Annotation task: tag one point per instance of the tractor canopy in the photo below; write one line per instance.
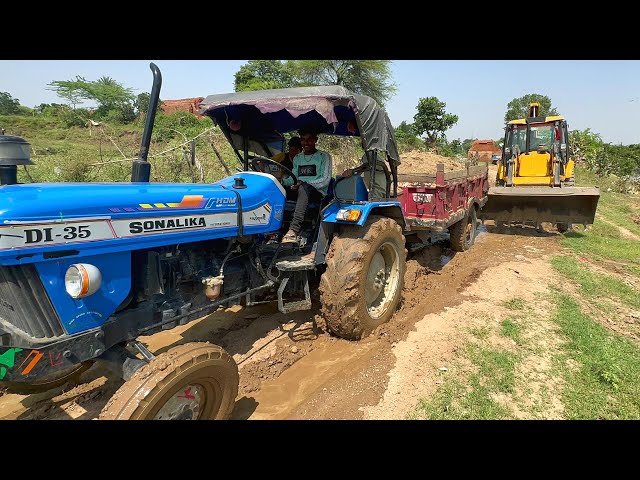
(262, 117)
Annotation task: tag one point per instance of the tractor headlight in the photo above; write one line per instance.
(82, 280)
(349, 214)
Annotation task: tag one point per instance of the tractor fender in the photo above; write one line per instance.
(390, 209)
(330, 224)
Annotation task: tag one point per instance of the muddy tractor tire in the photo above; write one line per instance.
(363, 282)
(194, 381)
(462, 234)
(70, 376)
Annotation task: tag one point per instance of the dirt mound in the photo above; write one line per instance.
(636, 219)
(417, 161)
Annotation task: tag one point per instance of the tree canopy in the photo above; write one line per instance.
(264, 75)
(366, 77)
(432, 120)
(8, 104)
(519, 107)
(110, 95)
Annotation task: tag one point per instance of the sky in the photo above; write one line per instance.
(603, 95)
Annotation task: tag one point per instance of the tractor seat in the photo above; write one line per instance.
(290, 205)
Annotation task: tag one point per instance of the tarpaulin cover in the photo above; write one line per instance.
(263, 116)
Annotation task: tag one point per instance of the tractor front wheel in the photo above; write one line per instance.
(193, 381)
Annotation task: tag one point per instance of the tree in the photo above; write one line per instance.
(519, 107)
(141, 103)
(366, 77)
(584, 144)
(432, 120)
(264, 75)
(8, 104)
(406, 136)
(49, 109)
(449, 149)
(113, 99)
(467, 142)
(405, 130)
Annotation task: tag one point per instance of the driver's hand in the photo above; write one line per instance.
(295, 186)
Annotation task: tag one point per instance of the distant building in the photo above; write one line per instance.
(484, 149)
(184, 105)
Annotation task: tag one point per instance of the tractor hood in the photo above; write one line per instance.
(36, 216)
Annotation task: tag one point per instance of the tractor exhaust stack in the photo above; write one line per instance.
(141, 171)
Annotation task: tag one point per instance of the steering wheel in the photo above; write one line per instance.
(254, 164)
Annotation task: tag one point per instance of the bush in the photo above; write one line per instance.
(74, 118)
(628, 184)
(620, 160)
(123, 114)
(167, 127)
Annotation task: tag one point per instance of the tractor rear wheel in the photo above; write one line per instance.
(363, 282)
(193, 381)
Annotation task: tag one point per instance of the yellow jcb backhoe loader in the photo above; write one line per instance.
(535, 179)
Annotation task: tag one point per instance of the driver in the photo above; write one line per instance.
(313, 169)
(286, 159)
(283, 158)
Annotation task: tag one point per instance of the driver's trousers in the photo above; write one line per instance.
(306, 194)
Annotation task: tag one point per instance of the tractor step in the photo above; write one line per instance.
(296, 263)
(299, 280)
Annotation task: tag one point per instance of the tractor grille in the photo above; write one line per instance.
(24, 303)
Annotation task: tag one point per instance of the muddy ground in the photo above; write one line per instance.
(290, 368)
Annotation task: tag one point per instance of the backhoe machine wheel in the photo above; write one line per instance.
(193, 381)
(462, 234)
(362, 284)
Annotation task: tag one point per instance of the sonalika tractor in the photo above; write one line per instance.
(85, 269)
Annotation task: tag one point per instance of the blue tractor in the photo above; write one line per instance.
(85, 269)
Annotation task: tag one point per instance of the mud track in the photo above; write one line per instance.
(290, 368)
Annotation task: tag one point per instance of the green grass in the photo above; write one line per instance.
(619, 209)
(586, 178)
(481, 333)
(79, 154)
(594, 285)
(615, 207)
(515, 304)
(632, 269)
(473, 397)
(603, 241)
(605, 384)
(512, 330)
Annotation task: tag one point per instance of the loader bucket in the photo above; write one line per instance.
(541, 204)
